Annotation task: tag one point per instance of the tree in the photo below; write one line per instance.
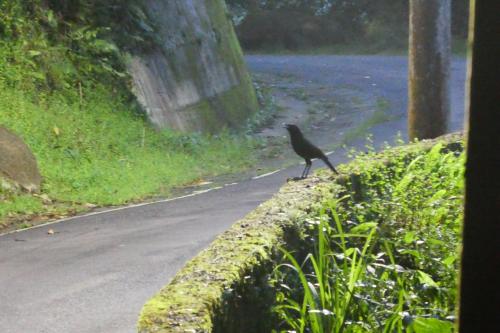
(480, 274)
(429, 68)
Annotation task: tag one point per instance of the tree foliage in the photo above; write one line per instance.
(382, 22)
(124, 21)
(48, 44)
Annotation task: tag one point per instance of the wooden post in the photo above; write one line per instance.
(480, 273)
(429, 68)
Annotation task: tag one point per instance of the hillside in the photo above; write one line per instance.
(64, 89)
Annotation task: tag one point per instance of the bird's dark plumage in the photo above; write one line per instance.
(306, 149)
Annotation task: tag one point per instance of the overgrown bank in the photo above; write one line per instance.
(407, 200)
(64, 90)
(383, 258)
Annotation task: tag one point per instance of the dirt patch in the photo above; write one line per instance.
(330, 116)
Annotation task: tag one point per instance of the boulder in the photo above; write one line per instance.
(17, 162)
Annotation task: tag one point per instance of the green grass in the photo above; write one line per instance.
(102, 153)
(299, 93)
(383, 258)
(379, 116)
(20, 204)
(268, 109)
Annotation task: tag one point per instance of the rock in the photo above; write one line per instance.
(17, 162)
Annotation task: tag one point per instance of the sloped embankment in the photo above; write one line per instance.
(65, 91)
(225, 287)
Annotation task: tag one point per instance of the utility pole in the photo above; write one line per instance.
(429, 68)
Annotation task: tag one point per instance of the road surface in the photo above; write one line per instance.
(95, 272)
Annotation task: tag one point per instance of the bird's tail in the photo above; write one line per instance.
(327, 162)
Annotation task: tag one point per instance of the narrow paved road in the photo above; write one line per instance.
(369, 76)
(95, 272)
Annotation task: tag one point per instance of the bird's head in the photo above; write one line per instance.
(292, 129)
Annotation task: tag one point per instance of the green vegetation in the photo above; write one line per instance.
(103, 153)
(63, 89)
(358, 47)
(332, 27)
(268, 108)
(378, 116)
(384, 257)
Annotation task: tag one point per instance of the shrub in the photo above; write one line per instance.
(384, 260)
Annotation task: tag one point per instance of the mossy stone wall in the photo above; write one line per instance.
(195, 78)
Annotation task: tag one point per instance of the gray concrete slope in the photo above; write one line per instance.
(95, 273)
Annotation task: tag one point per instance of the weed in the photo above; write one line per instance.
(268, 108)
(300, 94)
(377, 117)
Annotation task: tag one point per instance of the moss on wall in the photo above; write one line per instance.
(224, 288)
(226, 108)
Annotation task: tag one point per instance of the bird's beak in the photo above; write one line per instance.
(285, 125)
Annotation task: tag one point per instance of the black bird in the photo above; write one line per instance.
(306, 149)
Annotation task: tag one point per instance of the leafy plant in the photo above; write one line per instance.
(386, 263)
(268, 109)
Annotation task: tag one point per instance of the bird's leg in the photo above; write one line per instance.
(307, 168)
(303, 172)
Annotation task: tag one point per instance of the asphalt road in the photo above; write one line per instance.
(375, 76)
(95, 272)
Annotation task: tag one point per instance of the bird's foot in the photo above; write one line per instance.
(294, 179)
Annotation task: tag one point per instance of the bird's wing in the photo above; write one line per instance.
(312, 150)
